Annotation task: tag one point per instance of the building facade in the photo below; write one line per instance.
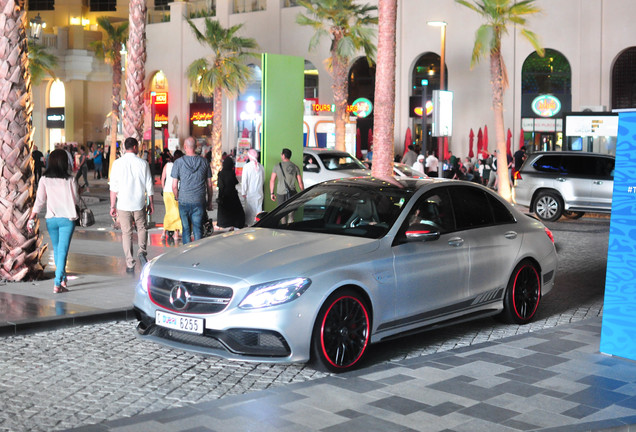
(589, 66)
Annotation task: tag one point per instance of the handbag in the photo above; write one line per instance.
(86, 217)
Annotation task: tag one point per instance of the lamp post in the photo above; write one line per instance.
(424, 115)
(35, 27)
(442, 85)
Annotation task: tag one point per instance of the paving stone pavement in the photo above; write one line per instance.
(90, 374)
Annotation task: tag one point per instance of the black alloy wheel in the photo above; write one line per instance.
(342, 332)
(523, 294)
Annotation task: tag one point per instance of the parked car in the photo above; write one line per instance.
(362, 260)
(552, 184)
(401, 170)
(321, 164)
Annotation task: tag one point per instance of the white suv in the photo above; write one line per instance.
(553, 184)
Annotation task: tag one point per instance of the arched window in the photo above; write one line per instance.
(362, 85)
(624, 80)
(425, 75)
(311, 80)
(547, 75)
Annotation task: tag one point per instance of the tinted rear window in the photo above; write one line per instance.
(550, 164)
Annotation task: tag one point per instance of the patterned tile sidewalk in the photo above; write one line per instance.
(549, 380)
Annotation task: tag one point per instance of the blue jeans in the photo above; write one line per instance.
(191, 220)
(60, 231)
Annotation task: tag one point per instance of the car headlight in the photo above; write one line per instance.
(274, 293)
(144, 277)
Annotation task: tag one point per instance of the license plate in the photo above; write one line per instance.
(176, 322)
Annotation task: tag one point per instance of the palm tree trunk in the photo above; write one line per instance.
(383, 125)
(340, 94)
(217, 130)
(20, 249)
(114, 113)
(497, 76)
(136, 71)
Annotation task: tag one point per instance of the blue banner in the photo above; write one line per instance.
(618, 334)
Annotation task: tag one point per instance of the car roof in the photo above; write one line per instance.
(376, 182)
(324, 150)
(569, 153)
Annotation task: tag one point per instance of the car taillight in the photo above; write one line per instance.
(517, 175)
(549, 234)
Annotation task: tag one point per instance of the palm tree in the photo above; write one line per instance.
(136, 72)
(351, 29)
(383, 124)
(109, 49)
(224, 73)
(498, 14)
(41, 62)
(20, 249)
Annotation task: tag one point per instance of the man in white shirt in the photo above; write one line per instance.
(419, 165)
(432, 165)
(252, 187)
(130, 186)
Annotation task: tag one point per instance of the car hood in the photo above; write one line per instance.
(357, 172)
(255, 253)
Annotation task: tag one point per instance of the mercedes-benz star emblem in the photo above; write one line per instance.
(179, 297)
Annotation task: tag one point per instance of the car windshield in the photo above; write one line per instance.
(340, 161)
(345, 209)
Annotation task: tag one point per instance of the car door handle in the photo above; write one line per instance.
(456, 242)
(560, 179)
(510, 235)
(598, 182)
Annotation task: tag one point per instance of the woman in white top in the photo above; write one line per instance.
(172, 220)
(57, 190)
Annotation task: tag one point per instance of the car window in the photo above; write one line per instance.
(604, 167)
(340, 161)
(433, 209)
(310, 160)
(500, 212)
(471, 207)
(580, 166)
(549, 164)
(343, 209)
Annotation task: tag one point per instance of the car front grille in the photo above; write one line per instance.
(203, 299)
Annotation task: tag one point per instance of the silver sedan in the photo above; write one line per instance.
(345, 264)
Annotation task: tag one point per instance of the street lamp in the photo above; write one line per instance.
(442, 85)
(35, 26)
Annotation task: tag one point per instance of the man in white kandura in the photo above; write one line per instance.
(252, 187)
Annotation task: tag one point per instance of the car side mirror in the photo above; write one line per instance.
(312, 168)
(421, 232)
(260, 216)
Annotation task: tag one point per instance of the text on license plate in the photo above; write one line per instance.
(176, 322)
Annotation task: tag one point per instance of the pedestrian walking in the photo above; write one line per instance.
(252, 186)
(82, 167)
(171, 220)
(131, 189)
(58, 191)
(288, 174)
(98, 157)
(432, 165)
(230, 210)
(192, 188)
(410, 157)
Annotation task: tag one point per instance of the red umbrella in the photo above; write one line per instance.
(508, 138)
(370, 140)
(358, 144)
(407, 140)
(480, 141)
(471, 137)
(446, 154)
(486, 138)
(521, 139)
